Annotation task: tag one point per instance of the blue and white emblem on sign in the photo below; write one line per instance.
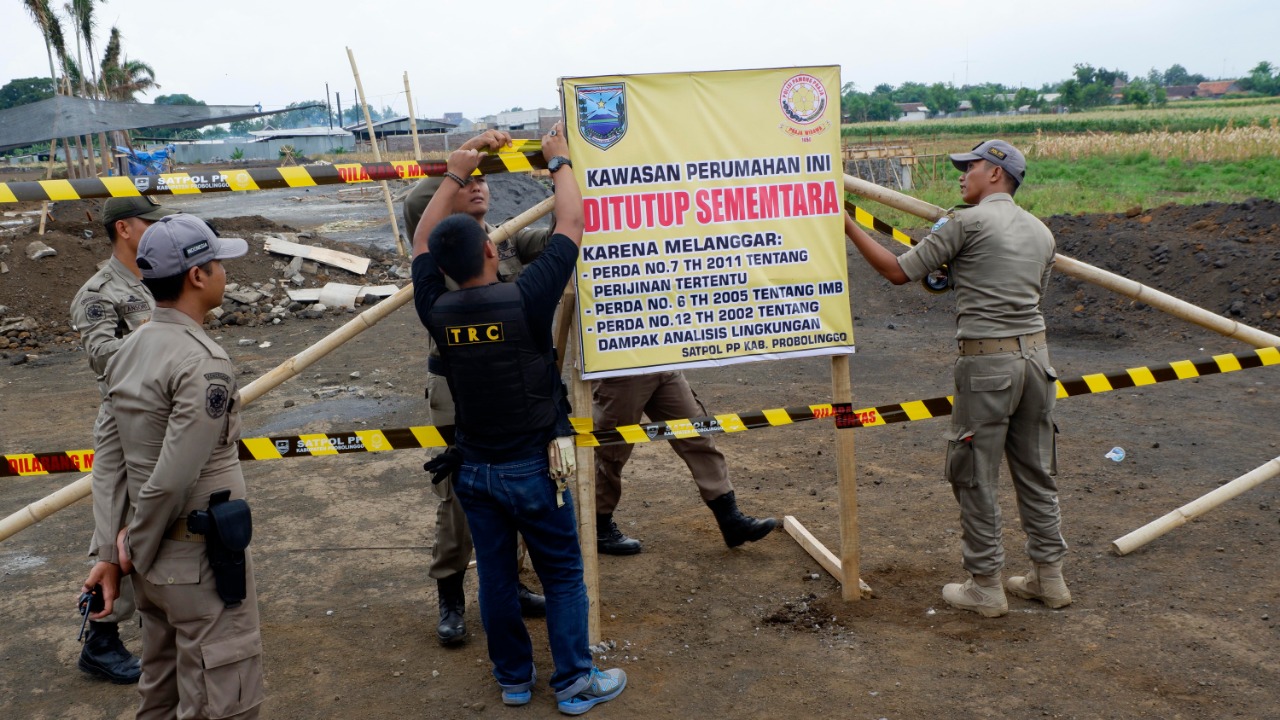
(602, 113)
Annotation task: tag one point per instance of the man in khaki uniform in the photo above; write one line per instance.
(112, 304)
(1000, 257)
(173, 394)
(662, 396)
(452, 550)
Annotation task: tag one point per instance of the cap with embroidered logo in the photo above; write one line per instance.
(176, 243)
(998, 153)
(123, 208)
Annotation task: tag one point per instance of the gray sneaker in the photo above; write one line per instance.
(604, 686)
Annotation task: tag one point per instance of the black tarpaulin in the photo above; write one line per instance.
(63, 116)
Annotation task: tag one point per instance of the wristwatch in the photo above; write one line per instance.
(558, 162)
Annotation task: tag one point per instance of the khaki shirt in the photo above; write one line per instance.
(173, 393)
(1000, 257)
(513, 254)
(111, 305)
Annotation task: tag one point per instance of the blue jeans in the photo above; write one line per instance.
(499, 500)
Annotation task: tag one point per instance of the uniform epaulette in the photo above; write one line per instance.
(215, 350)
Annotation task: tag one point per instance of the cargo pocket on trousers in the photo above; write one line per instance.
(177, 563)
(959, 467)
(988, 397)
(232, 675)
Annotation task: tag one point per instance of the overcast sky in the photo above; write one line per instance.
(482, 56)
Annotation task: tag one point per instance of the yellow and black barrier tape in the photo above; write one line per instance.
(866, 219)
(521, 159)
(844, 415)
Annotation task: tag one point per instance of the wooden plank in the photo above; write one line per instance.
(819, 552)
(346, 261)
(825, 557)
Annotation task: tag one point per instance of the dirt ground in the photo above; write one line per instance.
(1186, 627)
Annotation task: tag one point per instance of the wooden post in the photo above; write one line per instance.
(48, 175)
(82, 488)
(846, 478)
(377, 156)
(564, 322)
(585, 491)
(1196, 508)
(1083, 271)
(413, 119)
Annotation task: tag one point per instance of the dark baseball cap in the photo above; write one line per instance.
(123, 208)
(996, 152)
(176, 243)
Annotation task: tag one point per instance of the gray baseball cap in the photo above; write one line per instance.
(996, 152)
(176, 243)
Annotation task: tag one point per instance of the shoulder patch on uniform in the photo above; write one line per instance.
(94, 311)
(941, 221)
(218, 376)
(506, 250)
(216, 398)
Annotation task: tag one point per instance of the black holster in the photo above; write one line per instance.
(227, 528)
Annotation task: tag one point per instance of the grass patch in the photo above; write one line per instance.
(1102, 184)
(1176, 117)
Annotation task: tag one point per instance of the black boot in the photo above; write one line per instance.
(104, 656)
(610, 540)
(736, 527)
(532, 605)
(453, 603)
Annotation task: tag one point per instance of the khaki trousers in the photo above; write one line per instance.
(452, 549)
(660, 396)
(200, 659)
(1004, 406)
(108, 468)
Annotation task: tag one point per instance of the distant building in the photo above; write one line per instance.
(913, 111)
(1181, 92)
(398, 126)
(1218, 88)
(538, 120)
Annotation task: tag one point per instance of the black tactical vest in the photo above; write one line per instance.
(501, 382)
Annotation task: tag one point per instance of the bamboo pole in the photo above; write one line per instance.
(377, 155)
(1083, 271)
(43, 508)
(585, 492)
(413, 119)
(847, 481)
(1196, 508)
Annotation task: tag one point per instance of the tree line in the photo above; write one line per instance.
(1088, 87)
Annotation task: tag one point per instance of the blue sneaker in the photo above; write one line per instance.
(516, 697)
(604, 686)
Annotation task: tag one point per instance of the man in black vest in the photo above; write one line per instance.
(510, 405)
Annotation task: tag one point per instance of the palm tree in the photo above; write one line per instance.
(124, 78)
(51, 29)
